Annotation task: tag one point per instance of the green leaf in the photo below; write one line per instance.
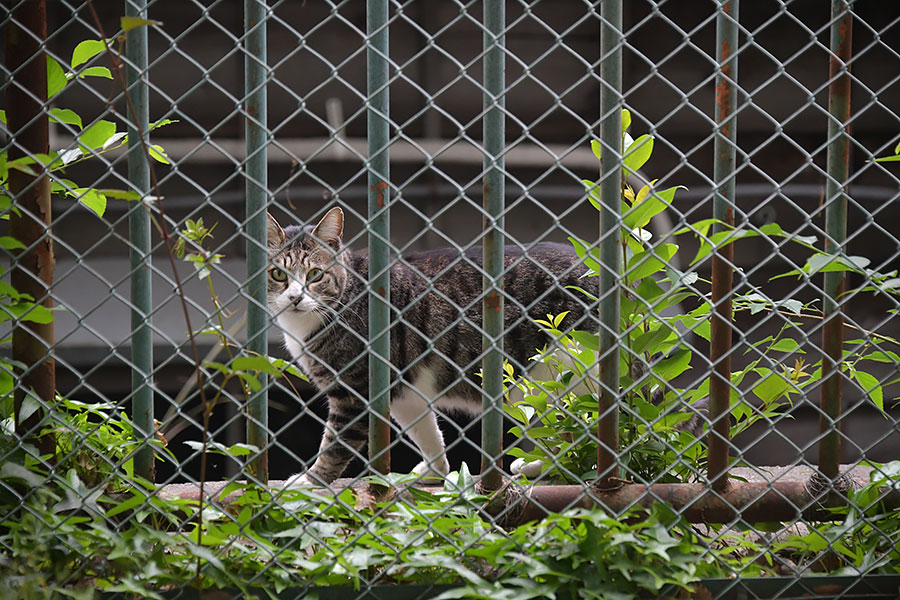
(3, 116)
(894, 158)
(11, 243)
(255, 363)
(674, 365)
(56, 77)
(158, 154)
(638, 153)
(593, 192)
(588, 340)
(97, 134)
(582, 251)
(64, 115)
(596, 148)
(162, 123)
(86, 50)
(775, 230)
(649, 290)
(287, 367)
(517, 413)
(872, 387)
(137, 499)
(649, 341)
(28, 311)
(11, 470)
(653, 204)
(771, 387)
(650, 261)
(885, 356)
(789, 345)
(92, 199)
(129, 23)
(720, 239)
(130, 195)
(96, 72)
(626, 121)
(825, 263)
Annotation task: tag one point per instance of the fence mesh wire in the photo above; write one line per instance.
(317, 159)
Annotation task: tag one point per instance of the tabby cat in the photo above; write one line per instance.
(317, 296)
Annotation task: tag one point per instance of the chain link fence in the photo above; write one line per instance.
(725, 377)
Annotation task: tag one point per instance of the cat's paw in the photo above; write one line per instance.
(528, 469)
(432, 470)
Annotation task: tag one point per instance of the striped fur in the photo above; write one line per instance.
(317, 296)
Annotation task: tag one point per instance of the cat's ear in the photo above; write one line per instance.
(274, 233)
(331, 228)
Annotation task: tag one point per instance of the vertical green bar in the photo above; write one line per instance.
(139, 237)
(494, 131)
(610, 236)
(723, 259)
(379, 235)
(255, 225)
(838, 169)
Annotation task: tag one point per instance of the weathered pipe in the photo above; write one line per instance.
(723, 258)
(753, 502)
(838, 169)
(32, 269)
(696, 502)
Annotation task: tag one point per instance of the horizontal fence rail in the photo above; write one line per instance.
(368, 332)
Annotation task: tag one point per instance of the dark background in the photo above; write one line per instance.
(316, 54)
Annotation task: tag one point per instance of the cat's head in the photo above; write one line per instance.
(306, 275)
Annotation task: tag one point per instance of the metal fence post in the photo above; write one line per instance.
(723, 258)
(255, 74)
(32, 268)
(610, 237)
(838, 168)
(379, 235)
(139, 238)
(493, 203)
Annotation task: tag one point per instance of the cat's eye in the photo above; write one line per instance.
(314, 275)
(278, 275)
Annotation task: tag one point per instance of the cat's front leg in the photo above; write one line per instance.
(346, 432)
(417, 419)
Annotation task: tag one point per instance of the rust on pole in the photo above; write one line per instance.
(723, 258)
(32, 267)
(838, 170)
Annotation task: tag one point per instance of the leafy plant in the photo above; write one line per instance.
(91, 140)
(866, 538)
(660, 438)
(894, 157)
(139, 542)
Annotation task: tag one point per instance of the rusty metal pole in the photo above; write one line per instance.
(838, 168)
(723, 258)
(32, 268)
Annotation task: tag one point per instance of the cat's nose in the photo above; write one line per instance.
(294, 298)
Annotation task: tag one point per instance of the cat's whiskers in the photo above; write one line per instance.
(342, 310)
